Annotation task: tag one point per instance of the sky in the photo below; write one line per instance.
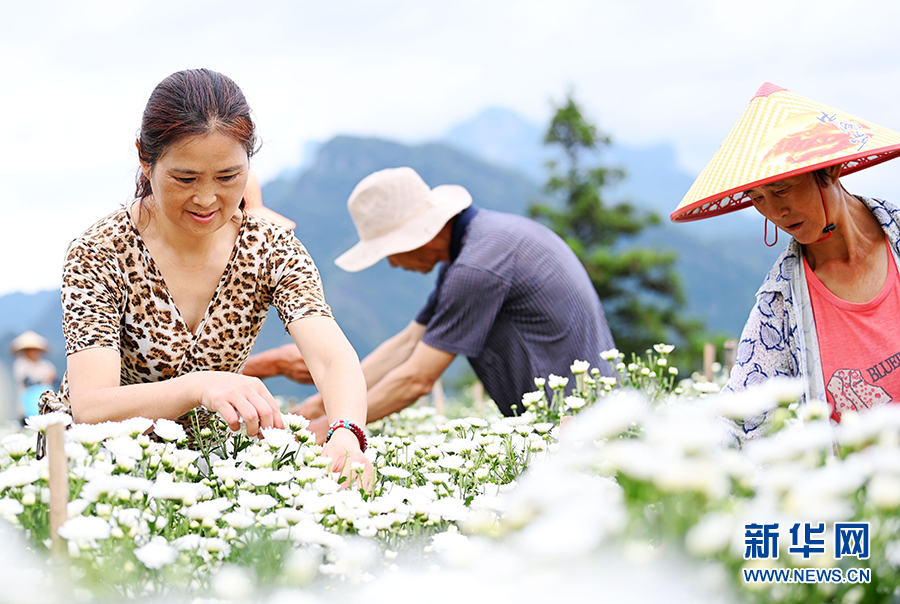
(75, 76)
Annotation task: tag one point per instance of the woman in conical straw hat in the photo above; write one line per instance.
(829, 310)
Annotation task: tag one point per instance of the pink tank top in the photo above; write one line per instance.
(859, 344)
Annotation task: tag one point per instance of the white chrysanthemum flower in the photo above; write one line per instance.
(610, 355)
(101, 485)
(450, 509)
(539, 382)
(310, 532)
(215, 545)
(579, 367)
(187, 492)
(706, 387)
(326, 486)
(394, 472)
(124, 446)
(279, 438)
(883, 492)
(437, 477)
(575, 402)
(10, 508)
(663, 348)
(257, 456)
(556, 381)
(530, 398)
(262, 477)
(84, 528)
(19, 476)
(135, 426)
(42, 422)
(232, 583)
(449, 542)
(292, 515)
(18, 444)
(92, 434)
(256, 502)
(208, 510)
(168, 430)
(156, 554)
(293, 421)
(453, 424)
(238, 520)
(451, 462)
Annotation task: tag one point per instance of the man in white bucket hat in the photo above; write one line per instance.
(511, 296)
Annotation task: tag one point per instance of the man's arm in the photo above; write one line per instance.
(284, 360)
(389, 355)
(403, 386)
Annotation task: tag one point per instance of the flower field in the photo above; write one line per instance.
(640, 495)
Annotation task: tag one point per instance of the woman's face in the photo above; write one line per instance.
(199, 182)
(794, 205)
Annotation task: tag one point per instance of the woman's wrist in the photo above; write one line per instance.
(352, 428)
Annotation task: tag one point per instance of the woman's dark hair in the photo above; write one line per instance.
(823, 176)
(190, 103)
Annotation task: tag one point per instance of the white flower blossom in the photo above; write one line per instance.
(575, 402)
(156, 554)
(168, 430)
(663, 348)
(18, 476)
(238, 520)
(186, 492)
(556, 381)
(10, 509)
(279, 438)
(293, 421)
(256, 502)
(92, 434)
(610, 355)
(135, 426)
(18, 444)
(42, 422)
(124, 446)
(529, 398)
(579, 367)
(211, 509)
(394, 472)
(84, 528)
(262, 477)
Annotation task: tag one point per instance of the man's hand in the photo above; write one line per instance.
(285, 360)
(311, 408)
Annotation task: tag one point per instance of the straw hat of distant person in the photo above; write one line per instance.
(253, 202)
(394, 212)
(29, 341)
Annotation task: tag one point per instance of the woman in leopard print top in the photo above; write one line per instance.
(163, 299)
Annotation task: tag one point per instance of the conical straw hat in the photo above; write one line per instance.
(780, 135)
(27, 340)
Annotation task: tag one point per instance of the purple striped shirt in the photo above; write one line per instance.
(516, 301)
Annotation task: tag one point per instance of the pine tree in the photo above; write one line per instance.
(639, 289)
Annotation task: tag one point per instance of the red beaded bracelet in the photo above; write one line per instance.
(357, 432)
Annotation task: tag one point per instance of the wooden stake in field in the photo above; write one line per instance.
(709, 357)
(59, 485)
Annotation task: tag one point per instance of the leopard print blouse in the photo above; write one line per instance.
(113, 296)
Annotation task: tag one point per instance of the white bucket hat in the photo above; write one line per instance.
(395, 211)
